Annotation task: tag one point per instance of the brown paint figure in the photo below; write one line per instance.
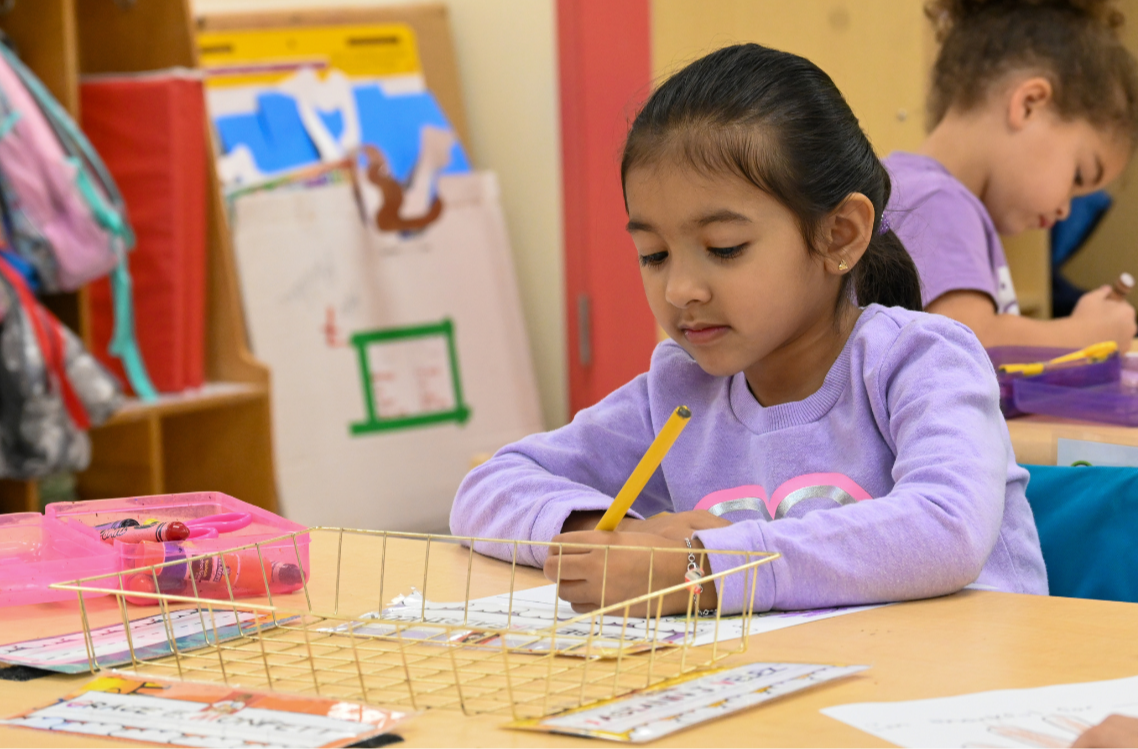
(387, 218)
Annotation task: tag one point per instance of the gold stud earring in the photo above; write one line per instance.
(842, 265)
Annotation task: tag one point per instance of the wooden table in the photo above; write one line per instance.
(1035, 437)
(968, 642)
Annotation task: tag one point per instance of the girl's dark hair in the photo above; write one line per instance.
(779, 122)
(1074, 43)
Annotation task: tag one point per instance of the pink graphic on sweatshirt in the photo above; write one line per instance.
(840, 489)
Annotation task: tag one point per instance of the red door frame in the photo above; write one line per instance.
(605, 73)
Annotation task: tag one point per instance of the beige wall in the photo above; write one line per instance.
(875, 50)
(507, 58)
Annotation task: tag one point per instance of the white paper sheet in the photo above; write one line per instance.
(539, 608)
(1045, 716)
(1067, 452)
(672, 706)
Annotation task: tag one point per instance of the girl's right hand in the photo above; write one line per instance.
(674, 525)
(1105, 319)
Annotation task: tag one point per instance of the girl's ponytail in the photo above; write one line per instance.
(886, 274)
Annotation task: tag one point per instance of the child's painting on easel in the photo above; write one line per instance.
(377, 281)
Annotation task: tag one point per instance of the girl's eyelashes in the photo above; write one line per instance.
(726, 253)
(719, 253)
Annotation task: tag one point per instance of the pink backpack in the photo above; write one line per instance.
(64, 214)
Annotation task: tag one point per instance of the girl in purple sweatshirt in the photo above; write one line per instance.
(863, 443)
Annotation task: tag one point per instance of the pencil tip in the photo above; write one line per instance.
(684, 412)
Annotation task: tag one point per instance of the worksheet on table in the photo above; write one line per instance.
(539, 609)
(1043, 716)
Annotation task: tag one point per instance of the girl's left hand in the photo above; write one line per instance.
(584, 577)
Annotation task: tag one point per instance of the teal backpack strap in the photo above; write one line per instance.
(104, 212)
(123, 343)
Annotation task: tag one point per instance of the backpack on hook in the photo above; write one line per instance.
(62, 212)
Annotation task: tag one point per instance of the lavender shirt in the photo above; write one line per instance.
(948, 232)
(895, 480)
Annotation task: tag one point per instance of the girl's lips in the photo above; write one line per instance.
(1044, 223)
(702, 336)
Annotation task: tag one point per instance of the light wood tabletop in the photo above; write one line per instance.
(968, 642)
(1035, 437)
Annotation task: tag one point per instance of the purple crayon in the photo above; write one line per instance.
(108, 531)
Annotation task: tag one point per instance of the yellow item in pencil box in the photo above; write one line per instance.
(1094, 353)
(267, 56)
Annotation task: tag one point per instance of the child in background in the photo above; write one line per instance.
(864, 444)
(1032, 103)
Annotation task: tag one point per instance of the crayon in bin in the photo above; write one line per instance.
(156, 532)
(107, 530)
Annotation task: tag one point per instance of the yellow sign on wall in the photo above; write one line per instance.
(266, 56)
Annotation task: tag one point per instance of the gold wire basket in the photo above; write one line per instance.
(422, 621)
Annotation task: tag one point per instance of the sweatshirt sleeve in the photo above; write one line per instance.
(935, 400)
(528, 489)
(946, 239)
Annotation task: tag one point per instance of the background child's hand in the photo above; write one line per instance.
(583, 571)
(1116, 730)
(1106, 319)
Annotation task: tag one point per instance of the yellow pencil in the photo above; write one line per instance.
(645, 468)
(1094, 353)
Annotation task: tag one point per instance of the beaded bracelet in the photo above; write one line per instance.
(694, 573)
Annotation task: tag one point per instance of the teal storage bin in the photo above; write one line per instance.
(1088, 527)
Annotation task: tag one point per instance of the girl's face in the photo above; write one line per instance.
(1044, 163)
(725, 267)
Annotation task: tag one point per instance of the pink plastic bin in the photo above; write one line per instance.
(36, 551)
(243, 567)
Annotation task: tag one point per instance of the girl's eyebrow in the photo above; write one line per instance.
(721, 217)
(717, 217)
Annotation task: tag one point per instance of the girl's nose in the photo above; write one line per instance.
(685, 288)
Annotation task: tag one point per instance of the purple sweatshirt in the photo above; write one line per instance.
(947, 231)
(895, 480)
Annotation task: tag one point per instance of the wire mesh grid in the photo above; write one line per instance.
(362, 626)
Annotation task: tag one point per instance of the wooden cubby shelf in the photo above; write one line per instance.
(219, 436)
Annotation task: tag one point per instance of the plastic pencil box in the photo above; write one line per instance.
(1009, 381)
(37, 550)
(1104, 392)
